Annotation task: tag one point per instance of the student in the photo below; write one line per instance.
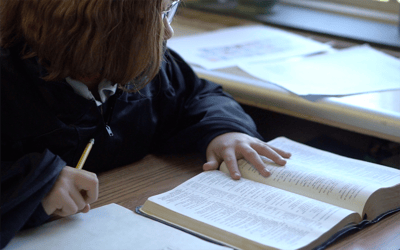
(75, 70)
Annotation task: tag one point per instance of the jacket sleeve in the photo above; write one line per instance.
(27, 174)
(24, 184)
(202, 110)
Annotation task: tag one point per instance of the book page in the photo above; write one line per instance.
(252, 210)
(108, 227)
(324, 176)
(343, 166)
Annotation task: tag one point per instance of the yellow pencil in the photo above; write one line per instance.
(85, 154)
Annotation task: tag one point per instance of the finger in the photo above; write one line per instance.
(67, 207)
(55, 200)
(281, 152)
(78, 198)
(88, 181)
(265, 150)
(47, 206)
(254, 159)
(231, 164)
(212, 162)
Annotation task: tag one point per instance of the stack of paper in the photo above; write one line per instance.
(354, 70)
(230, 46)
(300, 65)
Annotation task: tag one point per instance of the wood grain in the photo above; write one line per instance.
(383, 235)
(131, 185)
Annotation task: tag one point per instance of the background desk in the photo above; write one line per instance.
(131, 185)
(374, 114)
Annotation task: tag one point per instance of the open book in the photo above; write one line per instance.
(303, 205)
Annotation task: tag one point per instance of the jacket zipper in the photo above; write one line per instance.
(109, 115)
(110, 109)
(110, 133)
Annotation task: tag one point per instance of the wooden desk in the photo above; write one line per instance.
(374, 114)
(131, 185)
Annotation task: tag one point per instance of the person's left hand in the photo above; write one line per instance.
(233, 146)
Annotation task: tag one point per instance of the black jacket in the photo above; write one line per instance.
(45, 126)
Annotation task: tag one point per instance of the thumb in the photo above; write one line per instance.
(86, 208)
(212, 163)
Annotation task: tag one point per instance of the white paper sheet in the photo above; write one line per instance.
(108, 227)
(355, 70)
(227, 47)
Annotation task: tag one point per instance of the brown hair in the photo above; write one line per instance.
(119, 39)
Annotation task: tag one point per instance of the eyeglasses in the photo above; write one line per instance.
(171, 10)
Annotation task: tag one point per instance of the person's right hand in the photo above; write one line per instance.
(72, 192)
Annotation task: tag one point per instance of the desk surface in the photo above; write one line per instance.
(131, 185)
(375, 114)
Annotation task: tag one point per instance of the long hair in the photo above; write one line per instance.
(119, 40)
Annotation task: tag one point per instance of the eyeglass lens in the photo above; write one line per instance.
(169, 14)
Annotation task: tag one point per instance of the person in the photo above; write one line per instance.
(76, 70)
